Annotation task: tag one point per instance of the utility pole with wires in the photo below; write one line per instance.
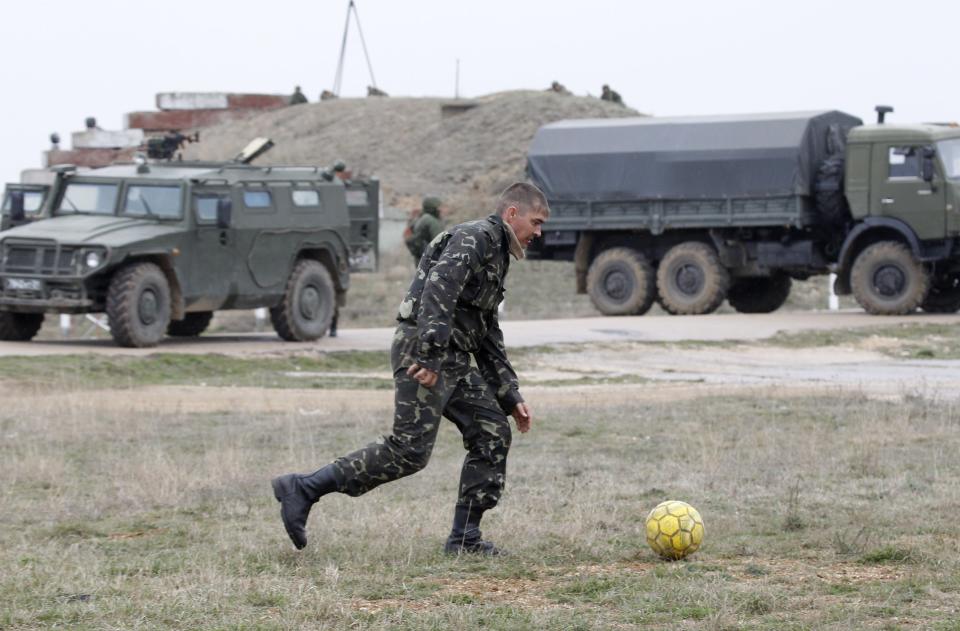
(337, 82)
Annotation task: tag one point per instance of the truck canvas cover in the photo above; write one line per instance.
(754, 155)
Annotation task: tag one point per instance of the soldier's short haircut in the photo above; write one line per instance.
(526, 197)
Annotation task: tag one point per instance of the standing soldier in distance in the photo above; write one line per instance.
(425, 228)
(297, 97)
(448, 316)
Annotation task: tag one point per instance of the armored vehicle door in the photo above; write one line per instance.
(363, 203)
(213, 258)
(34, 196)
(901, 192)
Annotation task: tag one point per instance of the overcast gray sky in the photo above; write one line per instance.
(64, 60)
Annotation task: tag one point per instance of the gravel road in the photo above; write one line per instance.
(517, 333)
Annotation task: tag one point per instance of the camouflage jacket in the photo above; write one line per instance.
(453, 301)
(424, 229)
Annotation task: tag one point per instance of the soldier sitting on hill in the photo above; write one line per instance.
(327, 95)
(559, 88)
(373, 90)
(610, 95)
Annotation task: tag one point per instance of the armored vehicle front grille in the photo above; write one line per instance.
(47, 259)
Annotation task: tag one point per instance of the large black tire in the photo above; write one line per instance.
(192, 325)
(887, 280)
(944, 295)
(138, 305)
(308, 303)
(19, 327)
(759, 295)
(691, 280)
(828, 191)
(621, 282)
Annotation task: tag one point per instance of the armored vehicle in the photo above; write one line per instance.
(161, 247)
(693, 211)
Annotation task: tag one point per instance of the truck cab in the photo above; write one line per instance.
(902, 183)
(159, 248)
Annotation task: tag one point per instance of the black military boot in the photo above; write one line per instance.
(465, 537)
(297, 494)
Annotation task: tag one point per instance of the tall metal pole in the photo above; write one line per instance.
(373, 79)
(343, 50)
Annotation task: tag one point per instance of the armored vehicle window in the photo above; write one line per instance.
(303, 198)
(153, 201)
(100, 199)
(256, 199)
(206, 208)
(357, 198)
(32, 201)
(949, 151)
(904, 162)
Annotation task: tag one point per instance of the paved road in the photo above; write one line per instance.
(714, 327)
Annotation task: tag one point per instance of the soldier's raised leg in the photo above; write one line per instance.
(402, 453)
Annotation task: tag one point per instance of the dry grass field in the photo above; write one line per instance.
(136, 495)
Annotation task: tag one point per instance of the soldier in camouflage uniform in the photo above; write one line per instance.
(448, 316)
(425, 228)
(608, 94)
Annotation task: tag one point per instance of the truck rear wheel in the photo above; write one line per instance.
(691, 279)
(759, 295)
(138, 305)
(19, 327)
(621, 282)
(192, 325)
(887, 280)
(308, 303)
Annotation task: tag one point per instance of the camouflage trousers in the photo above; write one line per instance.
(462, 396)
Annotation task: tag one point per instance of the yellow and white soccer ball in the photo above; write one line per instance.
(674, 529)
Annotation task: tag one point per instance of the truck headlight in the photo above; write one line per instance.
(93, 259)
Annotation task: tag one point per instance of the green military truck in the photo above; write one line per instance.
(693, 211)
(160, 247)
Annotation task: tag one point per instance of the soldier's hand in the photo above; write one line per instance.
(523, 416)
(424, 376)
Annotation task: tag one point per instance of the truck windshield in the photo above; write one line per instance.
(153, 201)
(32, 200)
(99, 199)
(949, 151)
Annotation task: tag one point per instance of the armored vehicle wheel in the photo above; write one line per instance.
(759, 295)
(691, 280)
(138, 305)
(887, 280)
(621, 282)
(944, 295)
(19, 327)
(308, 304)
(192, 325)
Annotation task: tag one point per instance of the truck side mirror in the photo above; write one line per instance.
(926, 168)
(16, 207)
(224, 213)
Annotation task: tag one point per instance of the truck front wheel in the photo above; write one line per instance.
(19, 327)
(759, 295)
(621, 282)
(138, 305)
(308, 303)
(691, 280)
(887, 280)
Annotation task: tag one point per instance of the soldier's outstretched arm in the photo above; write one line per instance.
(461, 258)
